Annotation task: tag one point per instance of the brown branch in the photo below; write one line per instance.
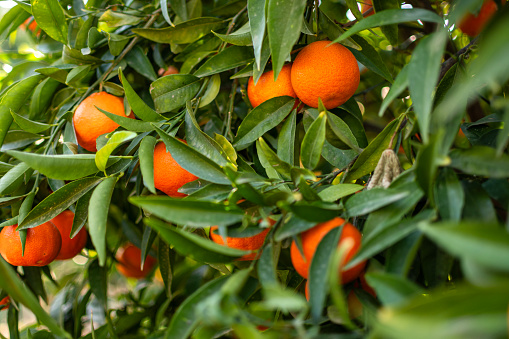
(447, 64)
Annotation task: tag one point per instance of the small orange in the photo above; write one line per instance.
(247, 243)
(42, 245)
(366, 6)
(266, 88)
(90, 123)
(168, 71)
(472, 24)
(329, 72)
(312, 237)
(169, 176)
(129, 262)
(5, 303)
(70, 247)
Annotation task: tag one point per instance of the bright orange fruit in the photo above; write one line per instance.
(70, 247)
(129, 262)
(266, 88)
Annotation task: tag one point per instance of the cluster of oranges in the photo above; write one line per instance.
(45, 243)
(322, 70)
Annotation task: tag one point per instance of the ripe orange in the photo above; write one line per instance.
(169, 176)
(42, 245)
(70, 247)
(312, 237)
(366, 6)
(247, 243)
(472, 24)
(129, 262)
(266, 88)
(5, 303)
(327, 72)
(90, 123)
(170, 70)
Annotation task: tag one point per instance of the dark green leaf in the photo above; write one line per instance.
(189, 244)
(399, 85)
(392, 289)
(284, 20)
(98, 216)
(173, 91)
(137, 59)
(286, 140)
(183, 33)
(190, 213)
(115, 140)
(98, 279)
(225, 60)
(262, 119)
(50, 17)
(146, 155)
(62, 167)
(336, 192)
(481, 160)
(58, 201)
(369, 201)
(266, 267)
(277, 164)
(449, 195)
(139, 107)
(241, 37)
(312, 144)
(256, 13)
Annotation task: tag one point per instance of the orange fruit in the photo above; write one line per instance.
(472, 24)
(70, 247)
(42, 245)
(366, 6)
(169, 176)
(129, 262)
(5, 303)
(312, 237)
(246, 243)
(266, 88)
(327, 72)
(170, 70)
(90, 123)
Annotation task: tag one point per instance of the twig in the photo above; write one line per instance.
(447, 64)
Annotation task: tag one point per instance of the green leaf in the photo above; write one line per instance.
(29, 125)
(256, 14)
(139, 107)
(368, 159)
(138, 60)
(387, 235)
(284, 20)
(482, 313)
(426, 165)
(449, 195)
(312, 144)
(50, 17)
(193, 161)
(332, 30)
(146, 155)
(286, 139)
(189, 244)
(277, 164)
(11, 20)
(14, 178)
(211, 92)
(80, 213)
(98, 216)
(183, 33)
(74, 56)
(339, 133)
(241, 37)
(423, 72)
(118, 19)
(130, 124)
(392, 16)
(369, 57)
(184, 320)
(173, 91)
(390, 31)
(201, 141)
(392, 289)
(225, 60)
(319, 271)
(180, 8)
(369, 201)
(262, 119)
(77, 74)
(58, 201)
(485, 244)
(98, 279)
(13, 285)
(336, 192)
(266, 267)
(316, 211)
(116, 43)
(62, 167)
(188, 212)
(116, 139)
(481, 160)
(12, 100)
(399, 85)
(291, 227)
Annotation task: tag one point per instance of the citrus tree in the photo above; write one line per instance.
(254, 169)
